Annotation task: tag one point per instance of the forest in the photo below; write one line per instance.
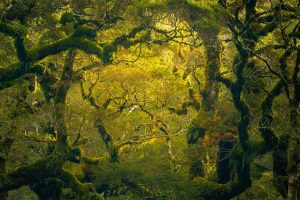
(149, 99)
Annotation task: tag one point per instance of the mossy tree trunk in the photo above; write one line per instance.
(224, 171)
(280, 164)
(108, 141)
(193, 135)
(42, 188)
(5, 146)
(210, 93)
(294, 146)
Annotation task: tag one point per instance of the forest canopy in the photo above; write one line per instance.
(149, 99)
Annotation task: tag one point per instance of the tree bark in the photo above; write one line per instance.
(293, 158)
(211, 89)
(108, 141)
(223, 161)
(5, 146)
(280, 164)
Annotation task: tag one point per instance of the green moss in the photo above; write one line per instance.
(91, 161)
(203, 16)
(84, 191)
(41, 52)
(144, 5)
(67, 18)
(205, 24)
(108, 50)
(85, 31)
(15, 30)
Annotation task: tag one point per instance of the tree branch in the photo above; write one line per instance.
(63, 45)
(15, 31)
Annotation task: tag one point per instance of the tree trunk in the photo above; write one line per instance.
(108, 141)
(4, 150)
(280, 163)
(293, 158)
(170, 152)
(211, 90)
(293, 180)
(223, 162)
(193, 134)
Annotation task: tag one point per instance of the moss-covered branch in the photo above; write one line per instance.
(125, 41)
(87, 46)
(31, 174)
(15, 31)
(11, 73)
(210, 190)
(83, 191)
(30, 56)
